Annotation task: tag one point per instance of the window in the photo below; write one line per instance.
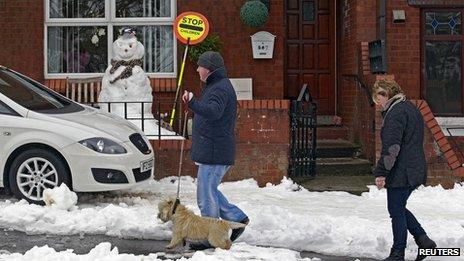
(443, 23)
(442, 55)
(79, 35)
(308, 11)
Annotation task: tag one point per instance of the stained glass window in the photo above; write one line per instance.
(443, 23)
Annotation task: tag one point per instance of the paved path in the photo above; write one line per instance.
(19, 242)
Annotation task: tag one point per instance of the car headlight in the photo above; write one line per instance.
(103, 145)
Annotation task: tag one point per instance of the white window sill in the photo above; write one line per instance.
(451, 126)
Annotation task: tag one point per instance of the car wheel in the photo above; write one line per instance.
(35, 170)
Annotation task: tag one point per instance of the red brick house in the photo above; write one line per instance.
(324, 43)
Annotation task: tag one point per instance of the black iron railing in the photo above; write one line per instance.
(303, 124)
(154, 121)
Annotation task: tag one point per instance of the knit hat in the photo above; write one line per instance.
(128, 33)
(211, 60)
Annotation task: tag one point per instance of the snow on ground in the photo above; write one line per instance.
(104, 252)
(283, 216)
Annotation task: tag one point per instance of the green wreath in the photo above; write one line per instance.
(254, 13)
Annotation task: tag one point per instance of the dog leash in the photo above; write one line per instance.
(180, 162)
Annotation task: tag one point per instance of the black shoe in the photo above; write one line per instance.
(395, 255)
(236, 232)
(198, 246)
(423, 241)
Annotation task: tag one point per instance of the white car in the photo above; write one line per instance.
(47, 139)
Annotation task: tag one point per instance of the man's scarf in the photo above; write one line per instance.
(127, 71)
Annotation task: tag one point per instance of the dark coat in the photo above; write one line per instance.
(213, 133)
(402, 159)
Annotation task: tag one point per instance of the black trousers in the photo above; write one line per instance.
(402, 219)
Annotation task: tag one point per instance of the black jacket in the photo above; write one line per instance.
(213, 136)
(402, 159)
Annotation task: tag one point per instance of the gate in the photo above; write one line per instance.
(303, 136)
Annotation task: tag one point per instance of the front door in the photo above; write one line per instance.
(310, 51)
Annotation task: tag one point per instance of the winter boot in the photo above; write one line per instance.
(395, 255)
(236, 232)
(423, 241)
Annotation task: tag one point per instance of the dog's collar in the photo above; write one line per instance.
(176, 203)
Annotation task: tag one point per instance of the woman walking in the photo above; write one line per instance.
(401, 167)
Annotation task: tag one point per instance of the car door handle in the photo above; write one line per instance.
(6, 133)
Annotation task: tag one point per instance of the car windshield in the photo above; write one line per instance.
(30, 94)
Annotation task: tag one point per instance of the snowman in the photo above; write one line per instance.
(125, 81)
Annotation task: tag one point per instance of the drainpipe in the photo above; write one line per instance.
(383, 26)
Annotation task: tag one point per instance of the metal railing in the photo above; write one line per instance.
(151, 117)
(303, 123)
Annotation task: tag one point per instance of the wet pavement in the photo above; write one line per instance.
(19, 242)
(13, 241)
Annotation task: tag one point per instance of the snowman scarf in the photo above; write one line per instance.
(127, 71)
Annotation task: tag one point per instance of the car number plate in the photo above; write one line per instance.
(146, 165)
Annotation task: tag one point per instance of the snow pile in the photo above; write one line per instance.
(101, 252)
(60, 198)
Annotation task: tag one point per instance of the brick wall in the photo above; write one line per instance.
(403, 43)
(262, 145)
(224, 18)
(357, 26)
(348, 61)
(457, 143)
(22, 33)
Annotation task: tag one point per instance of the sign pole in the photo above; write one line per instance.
(179, 83)
(190, 28)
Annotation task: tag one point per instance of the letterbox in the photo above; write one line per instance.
(263, 45)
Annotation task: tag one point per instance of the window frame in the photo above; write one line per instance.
(436, 38)
(109, 21)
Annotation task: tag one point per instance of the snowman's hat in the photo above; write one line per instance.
(128, 33)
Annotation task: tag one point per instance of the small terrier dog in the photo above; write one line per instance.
(187, 225)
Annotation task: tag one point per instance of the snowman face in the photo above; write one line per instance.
(127, 49)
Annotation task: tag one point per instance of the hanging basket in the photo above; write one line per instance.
(254, 13)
